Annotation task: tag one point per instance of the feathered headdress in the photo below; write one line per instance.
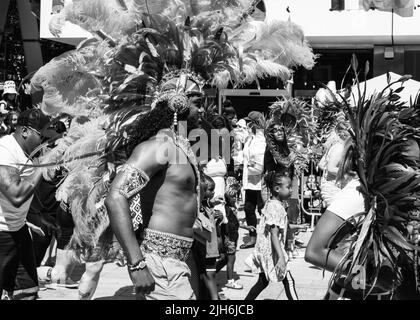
(387, 156)
(328, 110)
(295, 116)
(144, 55)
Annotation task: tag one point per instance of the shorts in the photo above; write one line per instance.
(172, 278)
(211, 264)
(229, 241)
(166, 258)
(230, 246)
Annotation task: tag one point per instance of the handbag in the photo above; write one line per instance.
(202, 228)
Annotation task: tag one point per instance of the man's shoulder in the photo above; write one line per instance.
(151, 152)
(154, 143)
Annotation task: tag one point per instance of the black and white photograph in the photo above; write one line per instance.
(211, 150)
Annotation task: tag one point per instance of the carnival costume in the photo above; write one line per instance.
(143, 57)
(382, 261)
(298, 126)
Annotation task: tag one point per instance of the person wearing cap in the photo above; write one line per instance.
(8, 102)
(17, 185)
(253, 154)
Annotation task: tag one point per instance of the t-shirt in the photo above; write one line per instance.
(254, 150)
(12, 218)
(348, 202)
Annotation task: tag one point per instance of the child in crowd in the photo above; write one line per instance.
(269, 257)
(208, 288)
(229, 235)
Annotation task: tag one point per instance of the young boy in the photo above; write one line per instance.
(230, 237)
(210, 250)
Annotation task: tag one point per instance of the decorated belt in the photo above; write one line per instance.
(166, 245)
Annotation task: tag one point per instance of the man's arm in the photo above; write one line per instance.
(317, 250)
(16, 189)
(133, 177)
(135, 174)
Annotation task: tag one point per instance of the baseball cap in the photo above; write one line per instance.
(241, 123)
(35, 119)
(254, 116)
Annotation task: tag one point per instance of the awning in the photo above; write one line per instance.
(377, 84)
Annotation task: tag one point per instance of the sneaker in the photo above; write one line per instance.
(234, 285)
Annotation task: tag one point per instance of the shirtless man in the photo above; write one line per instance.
(168, 188)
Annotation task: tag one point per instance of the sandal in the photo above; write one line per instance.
(69, 284)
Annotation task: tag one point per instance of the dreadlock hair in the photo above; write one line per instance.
(348, 166)
(277, 149)
(275, 178)
(147, 126)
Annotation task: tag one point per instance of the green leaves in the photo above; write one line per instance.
(389, 176)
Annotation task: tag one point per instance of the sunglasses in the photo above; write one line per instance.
(34, 130)
(278, 129)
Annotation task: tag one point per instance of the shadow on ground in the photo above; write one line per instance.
(124, 293)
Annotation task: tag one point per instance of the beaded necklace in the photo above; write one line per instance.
(183, 144)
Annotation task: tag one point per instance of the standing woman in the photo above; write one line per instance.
(331, 161)
(253, 151)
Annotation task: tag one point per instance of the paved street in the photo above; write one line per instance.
(115, 284)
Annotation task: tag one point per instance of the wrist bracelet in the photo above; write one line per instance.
(141, 264)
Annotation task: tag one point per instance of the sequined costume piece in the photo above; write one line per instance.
(134, 180)
(166, 245)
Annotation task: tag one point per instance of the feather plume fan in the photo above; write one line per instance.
(387, 158)
(71, 79)
(94, 16)
(280, 41)
(115, 80)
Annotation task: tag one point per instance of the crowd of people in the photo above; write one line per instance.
(256, 174)
(250, 179)
(126, 161)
